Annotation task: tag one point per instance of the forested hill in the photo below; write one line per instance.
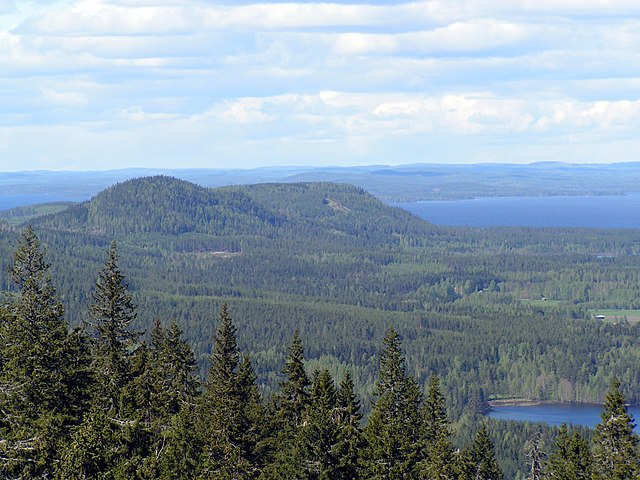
(169, 206)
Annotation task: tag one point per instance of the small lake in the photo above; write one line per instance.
(584, 211)
(587, 415)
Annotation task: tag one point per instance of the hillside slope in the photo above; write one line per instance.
(168, 206)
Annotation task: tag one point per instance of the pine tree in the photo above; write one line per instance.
(44, 376)
(485, 465)
(294, 397)
(112, 312)
(438, 460)
(221, 410)
(615, 446)
(177, 362)
(318, 434)
(255, 418)
(392, 431)
(350, 440)
(291, 404)
(571, 457)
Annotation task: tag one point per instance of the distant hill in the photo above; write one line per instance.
(166, 205)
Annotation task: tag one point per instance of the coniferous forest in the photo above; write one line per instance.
(305, 331)
(101, 402)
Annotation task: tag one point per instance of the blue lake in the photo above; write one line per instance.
(587, 415)
(586, 211)
(12, 201)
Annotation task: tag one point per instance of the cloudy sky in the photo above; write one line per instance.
(98, 84)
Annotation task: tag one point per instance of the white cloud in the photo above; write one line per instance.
(460, 36)
(137, 114)
(64, 98)
(259, 79)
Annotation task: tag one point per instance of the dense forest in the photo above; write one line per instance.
(100, 402)
(494, 313)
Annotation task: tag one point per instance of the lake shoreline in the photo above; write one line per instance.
(521, 402)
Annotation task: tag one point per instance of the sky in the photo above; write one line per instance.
(102, 84)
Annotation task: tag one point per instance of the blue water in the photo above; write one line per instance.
(586, 211)
(12, 201)
(587, 415)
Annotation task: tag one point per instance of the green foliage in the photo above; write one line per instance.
(227, 409)
(438, 455)
(319, 432)
(615, 446)
(350, 442)
(484, 464)
(340, 266)
(112, 312)
(393, 428)
(571, 458)
(93, 450)
(44, 377)
(294, 396)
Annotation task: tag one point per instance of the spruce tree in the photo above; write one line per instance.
(291, 404)
(570, 458)
(615, 446)
(93, 450)
(177, 362)
(255, 418)
(294, 395)
(485, 465)
(112, 312)
(350, 442)
(168, 392)
(392, 431)
(221, 410)
(44, 377)
(437, 461)
(180, 446)
(318, 434)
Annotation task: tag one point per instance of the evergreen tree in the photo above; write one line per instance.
(392, 431)
(318, 434)
(294, 396)
(112, 312)
(438, 460)
(178, 452)
(44, 376)
(221, 410)
(485, 465)
(571, 457)
(291, 404)
(350, 440)
(615, 446)
(177, 362)
(255, 417)
(93, 451)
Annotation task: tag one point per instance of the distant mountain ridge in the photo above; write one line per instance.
(399, 183)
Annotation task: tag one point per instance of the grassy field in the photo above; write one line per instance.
(613, 315)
